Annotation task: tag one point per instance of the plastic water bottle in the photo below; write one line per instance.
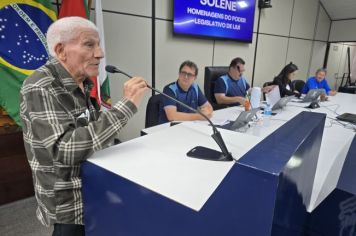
(268, 110)
(267, 115)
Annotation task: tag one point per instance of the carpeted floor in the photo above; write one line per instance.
(19, 218)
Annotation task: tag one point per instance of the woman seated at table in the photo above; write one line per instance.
(284, 80)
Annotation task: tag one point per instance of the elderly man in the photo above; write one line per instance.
(187, 91)
(318, 82)
(62, 126)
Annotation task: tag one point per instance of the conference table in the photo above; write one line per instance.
(285, 166)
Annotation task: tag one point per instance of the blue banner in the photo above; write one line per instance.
(231, 19)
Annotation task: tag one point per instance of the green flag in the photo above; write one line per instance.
(23, 48)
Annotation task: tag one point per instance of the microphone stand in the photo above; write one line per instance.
(199, 151)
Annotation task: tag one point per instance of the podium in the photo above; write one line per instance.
(336, 214)
(148, 186)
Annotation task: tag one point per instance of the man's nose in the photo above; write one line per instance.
(99, 53)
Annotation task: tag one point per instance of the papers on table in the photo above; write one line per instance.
(273, 96)
(255, 97)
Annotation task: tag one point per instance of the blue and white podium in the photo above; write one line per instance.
(148, 186)
(336, 215)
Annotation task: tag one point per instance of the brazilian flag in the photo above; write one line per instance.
(23, 48)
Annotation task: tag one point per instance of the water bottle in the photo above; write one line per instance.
(268, 110)
(267, 115)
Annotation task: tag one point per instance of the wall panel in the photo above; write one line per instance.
(172, 51)
(271, 55)
(136, 7)
(225, 51)
(299, 52)
(343, 31)
(129, 48)
(277, 20)
(318, 54)
(304, 18)
(323, 26)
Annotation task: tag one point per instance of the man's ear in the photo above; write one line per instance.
(60, 52)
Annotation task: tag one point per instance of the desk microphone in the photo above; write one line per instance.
(199, 151)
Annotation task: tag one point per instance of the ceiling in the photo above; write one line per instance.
(340, 9)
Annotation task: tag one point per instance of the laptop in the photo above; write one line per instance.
(282, 102)
(348, 117)
(242, 120)
(312, 95)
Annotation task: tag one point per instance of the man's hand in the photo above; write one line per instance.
(206, 111)
(134, 89)
(332, 93)
(241, 100)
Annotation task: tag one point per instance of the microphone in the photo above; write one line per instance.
(199, 151)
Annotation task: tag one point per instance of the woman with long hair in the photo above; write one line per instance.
(284, 80)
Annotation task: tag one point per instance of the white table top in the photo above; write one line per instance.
(158, 161)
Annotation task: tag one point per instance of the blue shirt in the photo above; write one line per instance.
(313, 83)
(231, 88)
(193, 98)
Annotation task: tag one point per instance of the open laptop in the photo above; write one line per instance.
(242, 120)
(282, 102)
(274, 99)
(349, 117)
(312, 95)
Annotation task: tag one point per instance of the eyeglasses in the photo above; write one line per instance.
(186, 75)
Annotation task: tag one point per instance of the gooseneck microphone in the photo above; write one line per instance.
(199, 151)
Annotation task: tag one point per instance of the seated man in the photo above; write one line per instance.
(318, 82)
(186, 91)
(232, 88)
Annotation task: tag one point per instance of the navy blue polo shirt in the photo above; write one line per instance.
(193, 98)
(230, 87)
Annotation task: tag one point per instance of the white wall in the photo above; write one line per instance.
(343, 31)
(292, 30)
(337, 62)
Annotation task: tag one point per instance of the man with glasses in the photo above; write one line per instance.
(232, 88)
(187, 91)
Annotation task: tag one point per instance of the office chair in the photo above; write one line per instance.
(152, 111)
(298, 85)
(212, 73)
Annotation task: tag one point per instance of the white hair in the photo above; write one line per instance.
(65, 30)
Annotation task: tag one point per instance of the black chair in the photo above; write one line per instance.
(212, 73)
(298, 85)
(267, 84)
(152, 111)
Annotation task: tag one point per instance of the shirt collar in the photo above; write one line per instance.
(232, 79)
(182, 90)
(66, 78)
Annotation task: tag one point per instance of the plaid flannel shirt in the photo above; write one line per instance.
(62, 128)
